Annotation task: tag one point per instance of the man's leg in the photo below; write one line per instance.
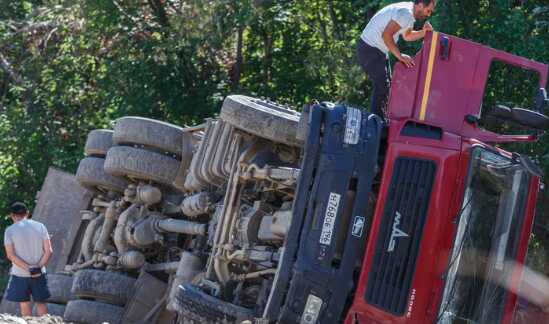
(26, 308)
(40, 294)
(380, 79)
(18, 291)
(374, 63)
(41, 309)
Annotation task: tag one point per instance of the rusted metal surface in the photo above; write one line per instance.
(59, 203)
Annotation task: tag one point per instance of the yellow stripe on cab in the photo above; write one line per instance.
(428, 77)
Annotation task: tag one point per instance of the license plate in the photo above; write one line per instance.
(330, 218)
(352, 127)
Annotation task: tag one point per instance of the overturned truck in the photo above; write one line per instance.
(330, 215)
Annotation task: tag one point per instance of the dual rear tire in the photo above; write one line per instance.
(101, 297)
(137, 149)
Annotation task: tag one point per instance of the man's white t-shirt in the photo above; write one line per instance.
(402, 13)
(27, 237)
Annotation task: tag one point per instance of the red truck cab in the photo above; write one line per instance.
(454, 213)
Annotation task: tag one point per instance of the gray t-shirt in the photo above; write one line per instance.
(27, 237)
(401, 12)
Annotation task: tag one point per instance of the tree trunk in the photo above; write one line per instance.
(323, 30)
(236, 69)
(160, 12)
(335, 22)
(370, 13)
(268, 60)
(464, 16)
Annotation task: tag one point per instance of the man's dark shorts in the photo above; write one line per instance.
(20, 289)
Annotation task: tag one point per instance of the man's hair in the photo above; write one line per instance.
(18, 209)
(424, 2)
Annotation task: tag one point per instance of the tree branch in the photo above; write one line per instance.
(39, 26)
(6, 66)
(47, 38)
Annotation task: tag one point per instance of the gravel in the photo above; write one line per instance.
(48, 319)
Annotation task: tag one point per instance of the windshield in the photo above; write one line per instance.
(488, 231)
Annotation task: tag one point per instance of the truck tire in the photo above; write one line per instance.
(91, 175)
(110, 287)
(60, 286)
(262, 118)
(149, 132)
(54, 309)
(92, 312)
(192, 305)
(141, 164)
(99, 141)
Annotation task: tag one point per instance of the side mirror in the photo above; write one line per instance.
(524, 117)
(529, 165)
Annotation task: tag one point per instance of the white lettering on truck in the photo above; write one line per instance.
(330, 218)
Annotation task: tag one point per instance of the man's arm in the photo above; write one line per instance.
(392, 28)
(46, 248)
(414, 35)
(10, 253)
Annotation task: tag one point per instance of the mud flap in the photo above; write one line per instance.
(332, 204)
(147, 303)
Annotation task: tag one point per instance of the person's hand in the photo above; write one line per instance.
(27, 268)
(35, 271)
(406, 60)
(427, 27)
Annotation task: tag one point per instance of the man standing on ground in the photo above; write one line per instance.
(380, 37)
(28, 247)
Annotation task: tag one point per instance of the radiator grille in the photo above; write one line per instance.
(400, 233)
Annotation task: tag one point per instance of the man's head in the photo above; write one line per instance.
(423, 9)
(18, 211)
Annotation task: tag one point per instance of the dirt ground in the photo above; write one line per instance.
(10, 319)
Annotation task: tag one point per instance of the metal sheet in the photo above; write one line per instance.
(59, 203)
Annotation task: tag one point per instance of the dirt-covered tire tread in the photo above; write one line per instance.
(262, 118)
(92, 312)
(60, 286)
(193, 305)
(55, 309)
(141, 164)
(110, 287)
(91, 174)
(99, 141)
(149, 132)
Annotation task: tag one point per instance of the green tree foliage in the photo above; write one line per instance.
(67, 67)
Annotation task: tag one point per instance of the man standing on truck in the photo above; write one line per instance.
(380, 37)
(28, 247)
